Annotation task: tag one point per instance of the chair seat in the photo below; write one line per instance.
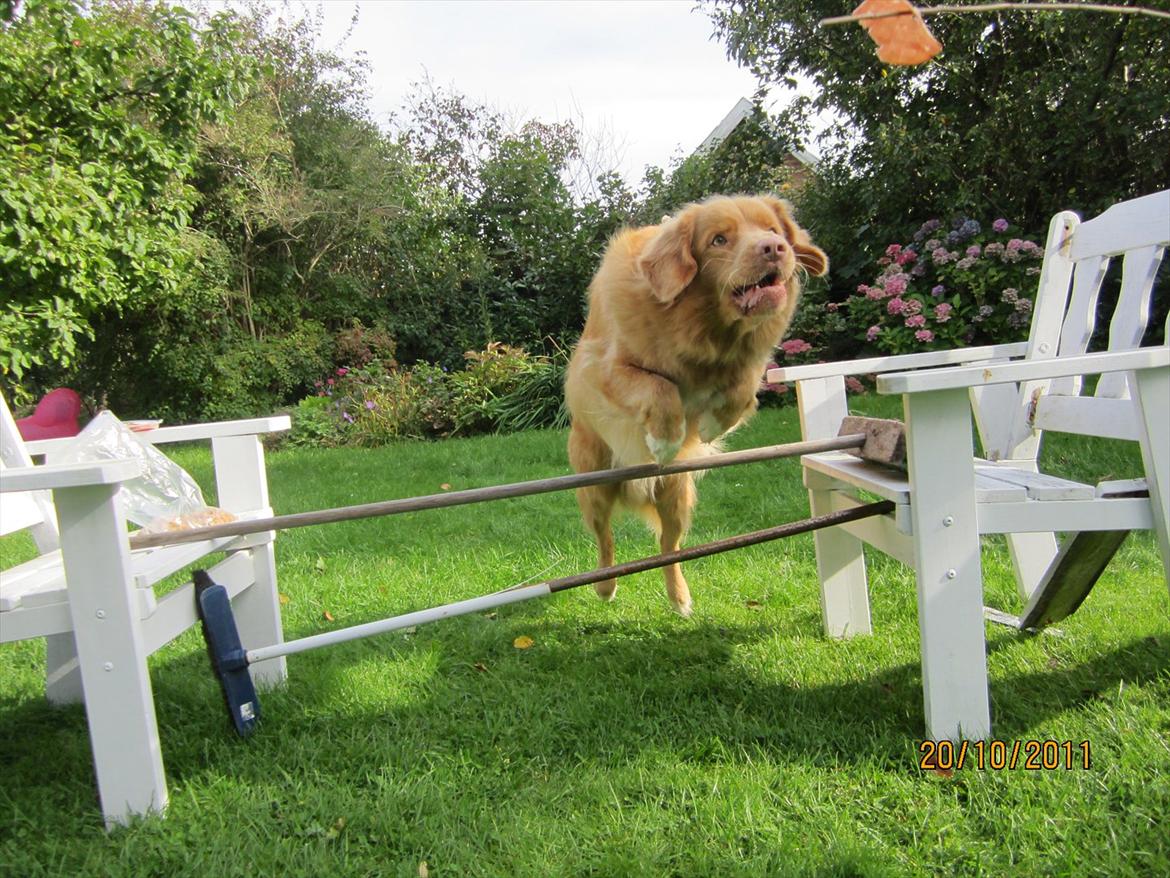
(1020, 494)
(41, 581)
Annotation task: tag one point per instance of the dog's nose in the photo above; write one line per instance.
(771, 247)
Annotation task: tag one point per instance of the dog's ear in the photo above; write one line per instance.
(667, 263)
(809, 255)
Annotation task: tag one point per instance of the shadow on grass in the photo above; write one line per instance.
(674, 692)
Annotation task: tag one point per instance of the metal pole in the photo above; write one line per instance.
(552, 586)
(496, 492)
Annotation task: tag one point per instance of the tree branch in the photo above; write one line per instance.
(1000, 7)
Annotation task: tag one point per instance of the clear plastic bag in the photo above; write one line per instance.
(164, 497)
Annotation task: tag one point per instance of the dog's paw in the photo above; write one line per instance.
(664, 450)
(684, 608)
(606, 589)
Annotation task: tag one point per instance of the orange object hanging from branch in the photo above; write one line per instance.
(901, 35)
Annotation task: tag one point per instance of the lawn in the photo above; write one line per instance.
(626, 740)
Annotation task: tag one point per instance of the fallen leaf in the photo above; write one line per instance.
(490, 615)
(337, 828)
(480, 666)
(901, 39)
(320, 565)
(328, 616)
(284, 599)
(523, 642)
(423, 870)
(444, 487)
(944, 772)
(752, 605)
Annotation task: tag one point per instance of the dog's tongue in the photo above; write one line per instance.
(755, 296)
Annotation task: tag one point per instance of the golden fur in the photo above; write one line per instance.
(683, 317)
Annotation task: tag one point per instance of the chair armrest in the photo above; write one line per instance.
(68, 475)
(925, 360)
(1027, 370)
(216, 430)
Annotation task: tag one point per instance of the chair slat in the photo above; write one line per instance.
(1080, 319)
(1132, 314)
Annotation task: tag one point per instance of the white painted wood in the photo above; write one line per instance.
(902, 362)
(118, 699)
(822, 405)
(1080, 320)
(1131, 315)
(1023, 370)
(891, 484)
(841, 573)
(1152, 390)
(1122, 487)
(1088, 416)
(18, 512)
(216, 430)
(68, 475)
(948, 573)
(241, 484)
(1129, 225)
(880, 531)
(1035, 516)
(1039, 486)
(175, 612)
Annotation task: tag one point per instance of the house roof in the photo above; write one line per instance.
(742, 110)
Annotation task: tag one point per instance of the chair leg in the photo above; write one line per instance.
(62, 670)
(947, 568)
(1032, 554)
(1153, 389)
(242, 484)
(119, 702)
(841, 571)
(257, 613)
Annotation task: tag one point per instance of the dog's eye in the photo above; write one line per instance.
(718, 241)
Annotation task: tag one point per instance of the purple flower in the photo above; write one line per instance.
(973, 251)
(1015, 244)
(347, 417)
(1000, 225)
(924, 335)
(872, 333)
(371, 405)
(938, 290)
(965, 263)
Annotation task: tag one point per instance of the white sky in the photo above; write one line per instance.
(646, 77)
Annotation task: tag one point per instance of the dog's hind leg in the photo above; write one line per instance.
(587, 453)
(674, 501)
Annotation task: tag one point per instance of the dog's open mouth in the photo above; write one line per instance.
(763, 295)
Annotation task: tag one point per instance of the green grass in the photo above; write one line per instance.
(626, 741)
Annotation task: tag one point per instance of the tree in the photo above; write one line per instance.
(1022, 115)
(100, 110)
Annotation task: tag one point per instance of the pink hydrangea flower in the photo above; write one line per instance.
(893, 250)
(896, 284)
(924, 335)
(916, 320)
(894, 306)
(906, 257)
(1000, 225)
(343, 371)
(832, 307)
(973, 251)
(872, 332)
(942, 312)
(853, 385)
(911, 306)
(875, 293)
(795, 346)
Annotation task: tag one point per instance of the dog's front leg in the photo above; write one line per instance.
(653, 400)
(737, 406)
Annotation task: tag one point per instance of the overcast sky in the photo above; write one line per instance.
(646, 76)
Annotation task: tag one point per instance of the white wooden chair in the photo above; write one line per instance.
(92, 599)
(1016, 391)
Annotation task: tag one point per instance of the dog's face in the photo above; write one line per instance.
(740, 254)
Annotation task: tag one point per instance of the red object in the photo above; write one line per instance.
(55, 416)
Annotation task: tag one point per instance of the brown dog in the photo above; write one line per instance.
(683, 317)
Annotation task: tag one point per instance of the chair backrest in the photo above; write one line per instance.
(1125, 244)
(31, 511)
